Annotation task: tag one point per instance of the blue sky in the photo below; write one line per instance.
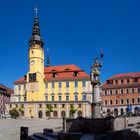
(74, 31)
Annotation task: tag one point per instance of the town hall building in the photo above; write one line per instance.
(61, 87)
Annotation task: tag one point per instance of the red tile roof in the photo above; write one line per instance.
(61, 68)
(125, 75)
(6, 89)
(20, 81)
(122, 76)
(64, 72)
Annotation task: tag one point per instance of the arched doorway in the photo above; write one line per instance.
(47, 114)
(136, 111)
(121, 111)
(40, 114)
(55, 114)
(79, 113)
(63, 114)
(71, 114)
(116, 112)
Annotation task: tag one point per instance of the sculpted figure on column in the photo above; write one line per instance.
(95, 72)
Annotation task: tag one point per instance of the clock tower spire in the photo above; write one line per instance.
(36, 38)
(35, 75)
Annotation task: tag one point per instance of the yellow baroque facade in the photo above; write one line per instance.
(54, 91)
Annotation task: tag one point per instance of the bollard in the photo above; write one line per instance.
(23, 133)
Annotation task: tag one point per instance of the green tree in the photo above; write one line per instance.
(49, 109)
(72, 110)
(14, 113)
(21, 110)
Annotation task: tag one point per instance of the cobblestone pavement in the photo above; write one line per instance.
(10, 128)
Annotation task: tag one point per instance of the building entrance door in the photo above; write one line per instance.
(40, 114)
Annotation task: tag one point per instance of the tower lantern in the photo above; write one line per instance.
(36, 38)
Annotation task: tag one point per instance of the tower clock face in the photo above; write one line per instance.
(32, 62)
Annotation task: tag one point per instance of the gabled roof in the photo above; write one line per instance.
(125, 75)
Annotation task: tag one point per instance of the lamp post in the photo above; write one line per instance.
(96, 86)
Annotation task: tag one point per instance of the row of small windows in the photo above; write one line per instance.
(22, 105)
(63, 105)
(55, 105)
(128, 101)
(122, 81)
(66, 97)
(59, 85)
(20, 87)
(122, 91)
(67, 84)
(24, 99)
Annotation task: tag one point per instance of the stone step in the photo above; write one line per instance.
(87, 137)
(41, 136)
(47, 131)
(70, 135)
(53, 135)
(33, 138)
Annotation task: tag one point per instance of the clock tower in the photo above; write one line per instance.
(35, 75)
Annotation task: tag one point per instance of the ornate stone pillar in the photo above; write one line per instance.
(96, 102)
(96, 83)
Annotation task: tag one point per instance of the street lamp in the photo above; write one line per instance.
(96, 86)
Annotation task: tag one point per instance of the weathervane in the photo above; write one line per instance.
(36, 11)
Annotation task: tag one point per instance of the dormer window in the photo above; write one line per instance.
(54, 75)
(75, 73)
(67, 69)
